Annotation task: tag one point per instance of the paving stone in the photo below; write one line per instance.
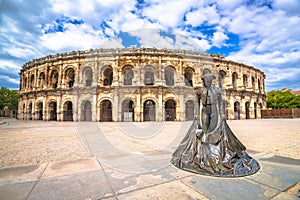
(21, 174)
(277, 175)
(87, 185)
(122, 182)
(17, 191)
(229, 188)
(70, 167)
(166, 191)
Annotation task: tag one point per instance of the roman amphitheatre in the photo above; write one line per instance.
(134, 84)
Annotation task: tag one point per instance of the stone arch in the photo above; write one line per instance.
(149, 110)
(86, 111)
(39, 110)
(188, 76)
(170, 110)
(247, 110)
(69, 77)
(245, 81)
(107, 75)
(105, 111)
(52, 110)
(53, 79)
(127, 110)
(221, 78)
(170, 75)
(87, 76)
(149, 75)
(68, 111)
(234, 80)
(189, 110)
(127, 72)
(237, 110)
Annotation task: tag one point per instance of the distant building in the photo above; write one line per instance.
(295, 92)
(134, 84)
(6, 112)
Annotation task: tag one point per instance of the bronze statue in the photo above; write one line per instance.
(213, 149)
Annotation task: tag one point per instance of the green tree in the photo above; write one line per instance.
(8, 98)
(282, 99)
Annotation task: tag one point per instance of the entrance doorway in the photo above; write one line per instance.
(237, 110)
(127, 111)
(40, 111)
(149, 110)
(170, 108)
(247, 107)
(53, 112)
(68, 111)
(105, 111)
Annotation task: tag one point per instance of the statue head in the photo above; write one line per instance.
(207, 77)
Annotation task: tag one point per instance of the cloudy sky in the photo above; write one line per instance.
(261, 33)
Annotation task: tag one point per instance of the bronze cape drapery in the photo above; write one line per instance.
(213, 149)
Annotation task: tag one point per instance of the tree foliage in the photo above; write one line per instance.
(8, 98)
(282, 99)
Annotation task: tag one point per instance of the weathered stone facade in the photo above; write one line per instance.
(134, 84)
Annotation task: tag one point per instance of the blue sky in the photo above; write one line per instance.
(261, 33)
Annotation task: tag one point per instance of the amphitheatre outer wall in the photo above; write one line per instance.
(134, 84)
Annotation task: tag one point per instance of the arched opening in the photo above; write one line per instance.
(87, 76)
(68, 111)
(53, 111)
(188, 77)
(169, 75)
(258, 85)
(170, 109)
(253, 83)
(23, 111)
(255, 110)
(107, 76)
(42, 80)
(221, 77)
(54, 79)
(234, 80)
(70, 77)
(86, 111)
(30, 111)
(127, 75)
(237, 111)
(25, 82)
(245, 81)
(32, 81)
(127, 111)
(105, 111)
(247, 109)
(149, 110)
(40, 111)
(189, 110)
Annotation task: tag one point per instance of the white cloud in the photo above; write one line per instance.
(168, 13)
(219, 39)
(207, 14)
(75, 37)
